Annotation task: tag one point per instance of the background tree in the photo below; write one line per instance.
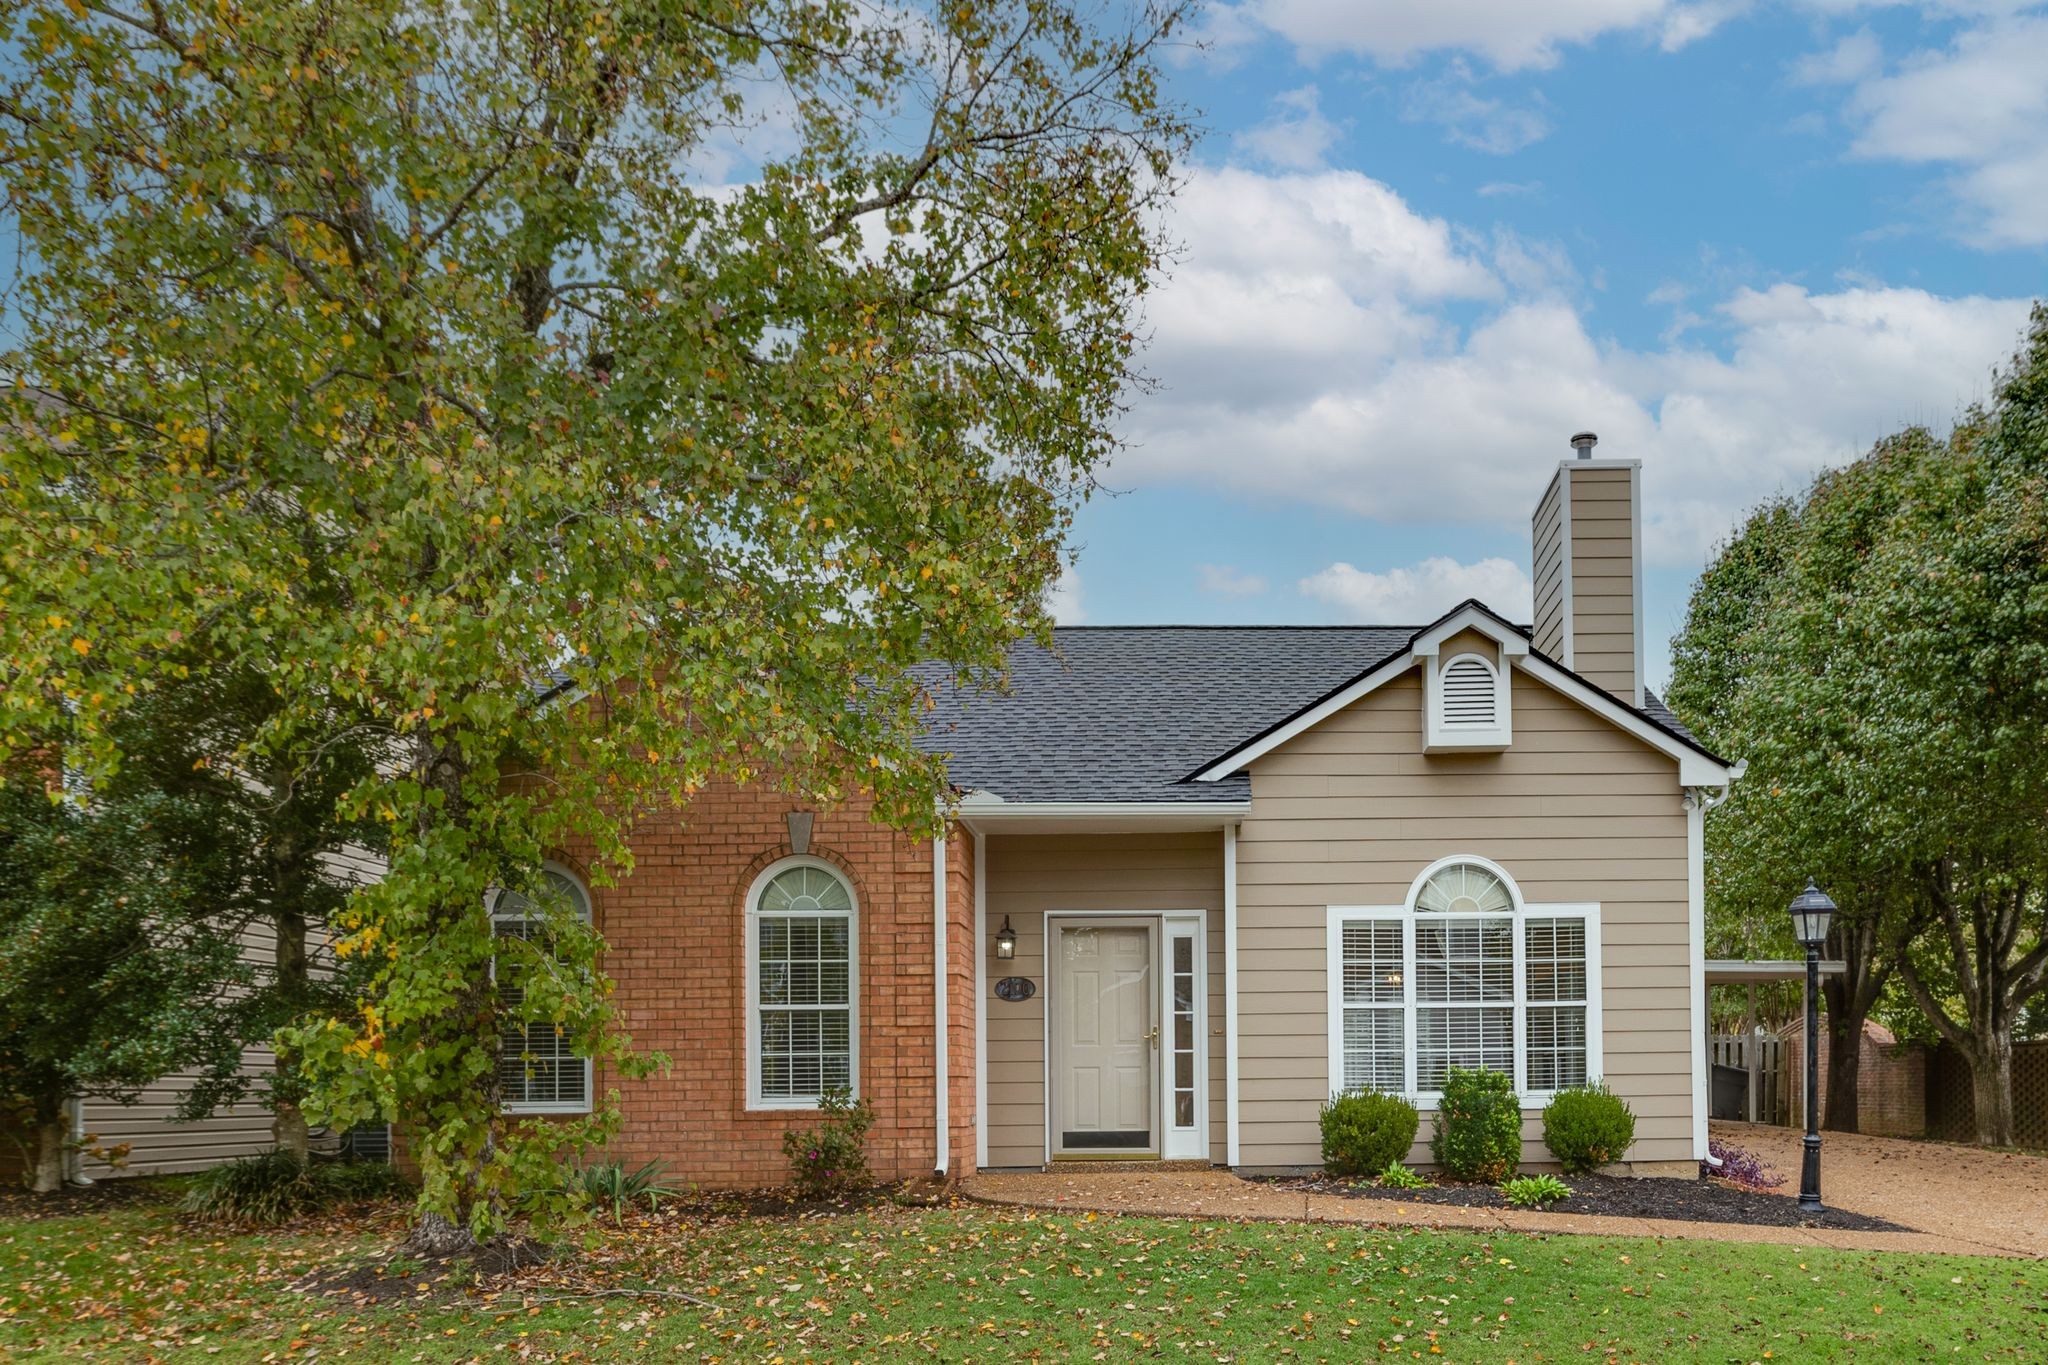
(451, 297)
(1869, 649)
(108, 967)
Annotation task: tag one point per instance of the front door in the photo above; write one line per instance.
(1105, 1037)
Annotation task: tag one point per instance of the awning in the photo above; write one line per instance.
(1731, 971)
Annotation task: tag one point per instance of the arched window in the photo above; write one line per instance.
(1464, 974)
(803, 985)
(538, 1071)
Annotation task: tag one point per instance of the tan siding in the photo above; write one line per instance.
(1603, 554)
(1576, 810)
(1547, 568)
(1030, 876)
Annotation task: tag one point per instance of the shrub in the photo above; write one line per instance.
(1534, 1191)
(608, 1184)
(1741, 1166)
(276, 1187)
(1478, 1126)
(1399, 1177)
(831, 1157)
(1365, 1131)
(1587, 1127)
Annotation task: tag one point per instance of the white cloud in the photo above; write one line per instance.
(1296, 136)
(1470, 119)
(1221, 580)
(1063, 600)
(1510, 34)
(1421, 593)
(1979, 105)
(1307, 350)
(1495, 188)
(1850, 60)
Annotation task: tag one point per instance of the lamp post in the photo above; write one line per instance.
(1811, 911)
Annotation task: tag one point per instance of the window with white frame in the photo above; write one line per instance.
(538, 1070)
(1467, 975)
(802, 985)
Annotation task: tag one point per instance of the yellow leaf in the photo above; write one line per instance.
(81, 646)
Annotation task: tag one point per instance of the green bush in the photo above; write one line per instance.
(608, 1184)
(1399, 1177)
(1587, 1127)
(1534, 1191)
(276, 1187)
(1364, 1131)
(832, 1157)
(1478, 1126)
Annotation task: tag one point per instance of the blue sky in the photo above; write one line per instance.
(1424, 241)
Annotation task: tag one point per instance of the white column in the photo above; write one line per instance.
(1696, 966)
(981, 943)
(1230, 995)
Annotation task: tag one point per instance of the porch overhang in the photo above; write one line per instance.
(987, 813)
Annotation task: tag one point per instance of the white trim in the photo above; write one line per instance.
(748, 916)
(589, 912)
(981, 951)
(1154, 923)
(1379, 675)
(1696, 973)
(1635, 552)
(942, 1135)
(1695, 769)
(1192, 925)
(1513, 645)
(1519, 913)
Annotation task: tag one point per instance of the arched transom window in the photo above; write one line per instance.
(1464, 975)
(802, 985)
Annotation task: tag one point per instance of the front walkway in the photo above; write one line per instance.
(1962, 1200)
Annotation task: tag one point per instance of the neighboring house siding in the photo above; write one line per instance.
(1031, 876)
(159, 1144)
(1350, 812)
(1604, 579)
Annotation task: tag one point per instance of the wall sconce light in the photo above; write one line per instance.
(1006, 941)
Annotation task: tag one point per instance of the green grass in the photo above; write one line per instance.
(984, 1285)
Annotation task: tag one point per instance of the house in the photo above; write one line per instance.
(1196, 879)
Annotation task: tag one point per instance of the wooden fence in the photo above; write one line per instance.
(1766, 1099)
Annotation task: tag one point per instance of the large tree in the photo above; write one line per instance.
(725, 357)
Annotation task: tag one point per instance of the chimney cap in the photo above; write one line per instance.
(1584, 442)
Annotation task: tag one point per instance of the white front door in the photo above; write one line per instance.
(1105, 1037)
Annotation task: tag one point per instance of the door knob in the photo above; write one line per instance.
(1153, 1036)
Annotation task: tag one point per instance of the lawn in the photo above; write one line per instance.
(132, 1284)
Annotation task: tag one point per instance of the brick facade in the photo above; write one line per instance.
(676, 931)
(1891, 1081)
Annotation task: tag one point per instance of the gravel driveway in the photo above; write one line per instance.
(1997, 1199)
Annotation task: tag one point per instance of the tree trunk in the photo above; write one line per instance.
(53, 1137)
(435, 1236)
(288, 1128)
(1841, 1114)
(1991, 1089)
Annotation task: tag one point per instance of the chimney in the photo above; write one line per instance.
(1588, 567)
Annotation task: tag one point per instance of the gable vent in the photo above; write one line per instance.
(1470, 699)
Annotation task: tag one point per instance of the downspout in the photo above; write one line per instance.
(1230, 1143)
(943, 1126)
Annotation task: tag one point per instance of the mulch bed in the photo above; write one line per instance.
(1685, 1201)
(75, 1201)
(410, 1277)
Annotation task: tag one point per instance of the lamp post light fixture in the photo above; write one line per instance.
(1006, 941)
(1811, 911)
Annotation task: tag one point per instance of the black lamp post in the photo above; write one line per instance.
(1811, 911)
